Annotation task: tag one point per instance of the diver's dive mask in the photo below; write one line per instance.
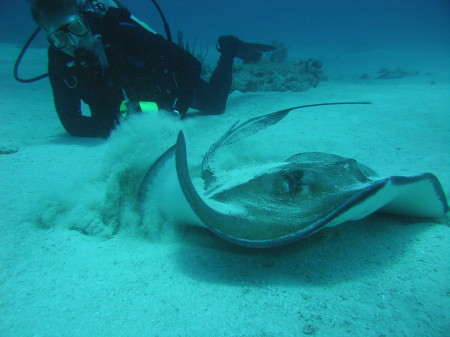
(69, 33)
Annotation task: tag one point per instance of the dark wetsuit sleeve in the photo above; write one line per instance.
(68, 104)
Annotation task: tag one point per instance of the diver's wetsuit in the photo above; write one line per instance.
(143, 64)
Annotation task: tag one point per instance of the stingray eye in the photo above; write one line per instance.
(297, 174)
(292, 182)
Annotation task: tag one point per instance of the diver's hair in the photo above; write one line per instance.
(48, 8)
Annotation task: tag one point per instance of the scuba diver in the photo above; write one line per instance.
(101, 54)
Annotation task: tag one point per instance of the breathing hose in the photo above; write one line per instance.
(19, 59)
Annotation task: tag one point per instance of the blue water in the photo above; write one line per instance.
(382, 276)
(352, 25)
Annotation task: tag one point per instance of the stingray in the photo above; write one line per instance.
(282, 202)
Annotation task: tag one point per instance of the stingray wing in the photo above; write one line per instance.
(420, 195)
(153, 171)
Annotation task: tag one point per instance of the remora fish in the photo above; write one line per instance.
(279, 203)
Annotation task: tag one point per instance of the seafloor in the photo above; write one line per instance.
(381, 276)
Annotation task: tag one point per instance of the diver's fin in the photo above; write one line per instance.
(247, 52)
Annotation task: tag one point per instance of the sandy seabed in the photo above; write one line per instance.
(63, 273)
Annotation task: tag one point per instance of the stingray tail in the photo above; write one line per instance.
(249, 128)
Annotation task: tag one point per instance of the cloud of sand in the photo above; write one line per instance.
(103, 200)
